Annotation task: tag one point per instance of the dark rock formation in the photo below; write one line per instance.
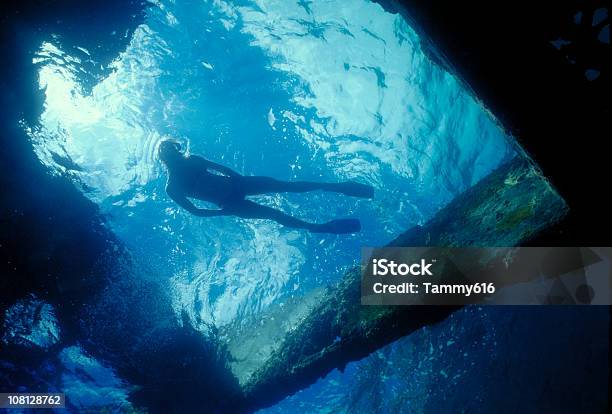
(55, 245)
(506, 208)
(527, 62)
(52, 236)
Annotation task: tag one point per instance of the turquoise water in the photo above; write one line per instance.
(309, 90)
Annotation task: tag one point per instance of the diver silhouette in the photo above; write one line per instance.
(195, 177)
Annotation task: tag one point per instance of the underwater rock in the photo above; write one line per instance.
(90, 384)
(138, 335)
(506, 208)
(31, 322)
(535, 82)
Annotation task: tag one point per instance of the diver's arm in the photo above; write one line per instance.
(182, 201)
(216, 167)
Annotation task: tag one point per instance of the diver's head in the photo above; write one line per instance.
(169, 151)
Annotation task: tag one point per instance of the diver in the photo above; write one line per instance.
(191, 176)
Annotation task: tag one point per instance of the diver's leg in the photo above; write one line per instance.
(250, 210)
(262, 185)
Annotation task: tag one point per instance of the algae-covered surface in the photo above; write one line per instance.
(506, 208)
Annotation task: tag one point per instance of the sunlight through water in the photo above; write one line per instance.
(322, 90)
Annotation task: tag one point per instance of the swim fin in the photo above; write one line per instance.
(354, 189)
(340, 226)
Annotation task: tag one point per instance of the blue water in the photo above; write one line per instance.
(319, 90)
